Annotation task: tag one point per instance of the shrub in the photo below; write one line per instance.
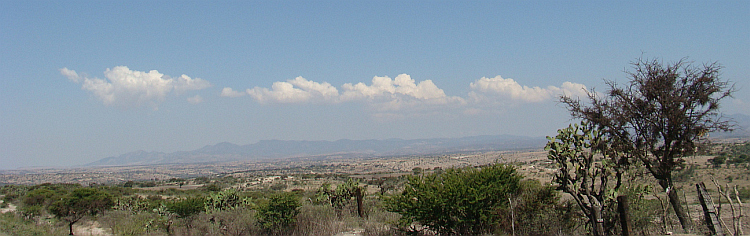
(224, 200)
(279, 213)
(187, 209)
(458, 201)
(537, 210)
(127, 223)
(744, 193)
(278, 186)
(213, 187)
(318, 220)
(236, 221)
(13, 224)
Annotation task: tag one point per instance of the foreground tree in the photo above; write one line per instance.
(457, 202)
(80, 203)
(588, 169)
(660, 116)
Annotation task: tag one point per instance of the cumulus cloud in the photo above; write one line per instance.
(384, 93)
(402, 93)
(71, 74)
(403, 84)
(130, 88)
(229, 92)
(399, 93)
(298, 90)
(185, 83)
(509, 89)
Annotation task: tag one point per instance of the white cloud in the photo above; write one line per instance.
(185, 83)
(385, 87)
(508, 89)
(404, 94)
(398, 94)
(195, 100)
(298, 90)
(129, 88)
(384, 93)
(71, 74)
(229, 92)
(571, 89)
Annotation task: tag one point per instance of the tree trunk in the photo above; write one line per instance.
(674, 200)
(70, 226)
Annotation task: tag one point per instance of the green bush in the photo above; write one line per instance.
(458, 201)
(279, 213)
(38, 197)
(187, 210)
(225, 200)
(188, 207)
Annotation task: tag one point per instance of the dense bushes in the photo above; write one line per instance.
(458, 201)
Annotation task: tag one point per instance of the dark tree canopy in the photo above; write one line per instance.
(79, 203)
(660, 116)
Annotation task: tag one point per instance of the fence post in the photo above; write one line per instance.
(623, 208)
(709, 212)
(358, 194)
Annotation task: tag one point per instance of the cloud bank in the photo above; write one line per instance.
(129, 88)
(403, 92)
(383, 93)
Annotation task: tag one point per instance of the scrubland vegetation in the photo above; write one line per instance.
(645, 142)
(495, 199)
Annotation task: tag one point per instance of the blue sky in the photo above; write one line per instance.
(84, 80)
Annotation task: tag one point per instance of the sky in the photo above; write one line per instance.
(85, 80)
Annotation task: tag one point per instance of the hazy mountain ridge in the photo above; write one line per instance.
(742, 128)
(265, 149)
(225, 151)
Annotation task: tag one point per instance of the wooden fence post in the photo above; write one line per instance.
(709, 212)
(623, 208)
(359, 201)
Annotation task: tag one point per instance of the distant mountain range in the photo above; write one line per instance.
(269, 149)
